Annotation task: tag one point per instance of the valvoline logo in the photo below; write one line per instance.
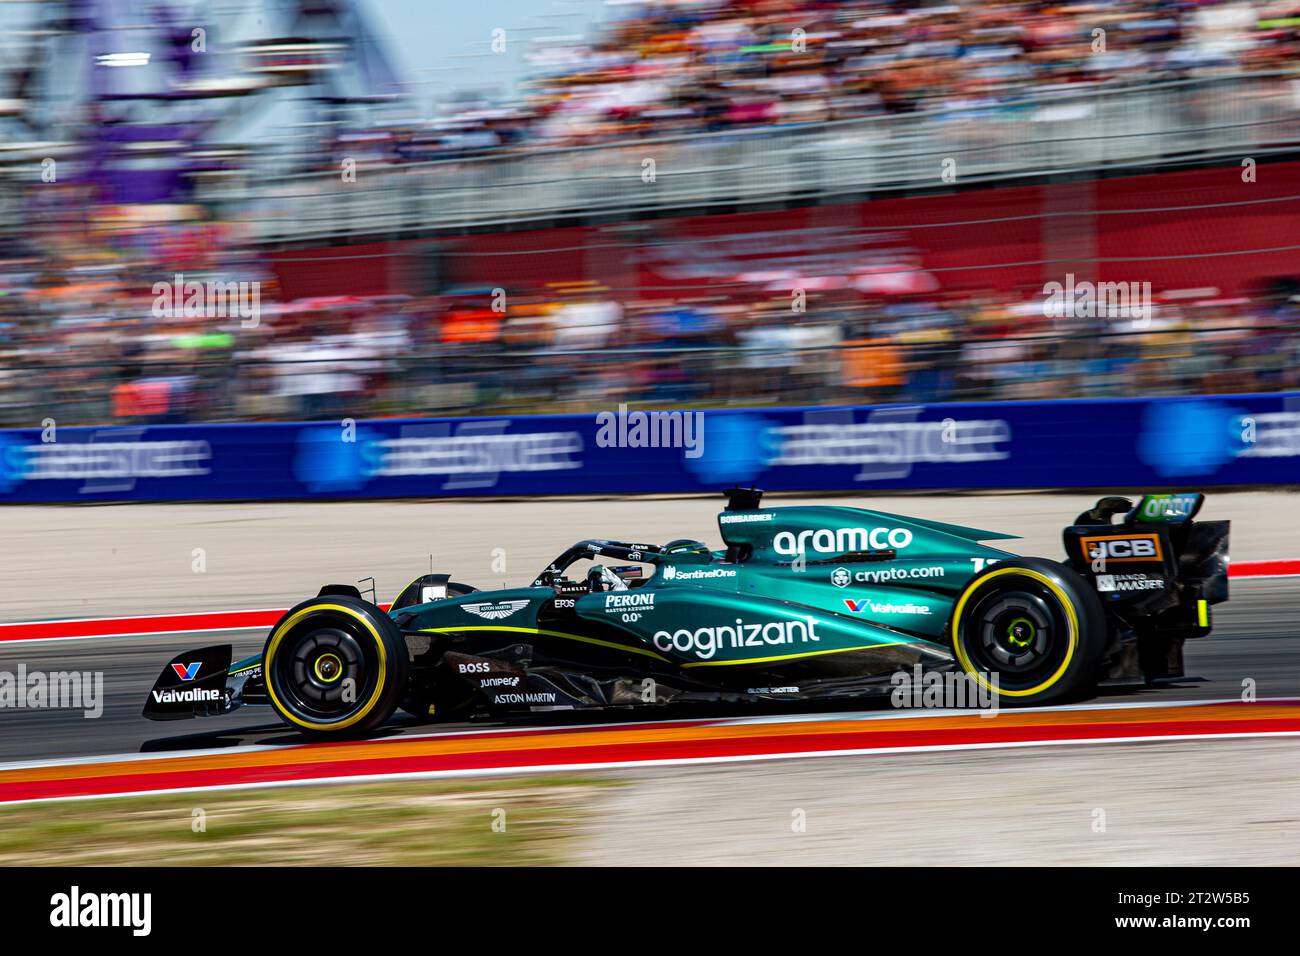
(187, 671)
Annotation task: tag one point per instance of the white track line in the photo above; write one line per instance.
(362, 779)
(758, 719)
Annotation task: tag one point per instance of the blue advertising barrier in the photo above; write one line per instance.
(1201, 442)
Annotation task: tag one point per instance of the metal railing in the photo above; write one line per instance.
(1066, 132)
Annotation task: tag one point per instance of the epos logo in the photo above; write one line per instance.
(1120, 548)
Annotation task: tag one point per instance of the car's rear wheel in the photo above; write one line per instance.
(1030, 631)
(335, 666)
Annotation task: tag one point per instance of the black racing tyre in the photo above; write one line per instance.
(411, 593)
(1034, 624)
(335, 666)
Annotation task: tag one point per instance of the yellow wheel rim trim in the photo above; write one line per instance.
(316, 668)
(274, 643)
(1070, 614)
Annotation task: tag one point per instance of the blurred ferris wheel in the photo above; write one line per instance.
(144, 99)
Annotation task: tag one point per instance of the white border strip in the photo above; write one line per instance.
(514, 731)
(360, 779)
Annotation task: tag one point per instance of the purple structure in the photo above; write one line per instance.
(142, 96)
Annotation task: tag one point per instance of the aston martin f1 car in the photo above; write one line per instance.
(805, 603)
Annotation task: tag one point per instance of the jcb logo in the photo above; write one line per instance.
(1138, 547)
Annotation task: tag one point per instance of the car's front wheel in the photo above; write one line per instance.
(1030, 631)
(335, 666)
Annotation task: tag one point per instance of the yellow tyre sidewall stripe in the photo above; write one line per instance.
(1070, 613)
(285, 627)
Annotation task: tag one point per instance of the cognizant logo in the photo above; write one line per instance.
(704, 642)
(841, 540)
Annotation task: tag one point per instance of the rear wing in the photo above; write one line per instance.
(1157, 568)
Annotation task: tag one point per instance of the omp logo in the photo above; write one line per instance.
(187, 671)
(841, 540)
(494, 610)
(1122, 547)
(704, 642)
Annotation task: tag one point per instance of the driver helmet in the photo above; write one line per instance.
(685, 546)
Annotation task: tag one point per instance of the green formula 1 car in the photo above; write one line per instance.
(802, 603)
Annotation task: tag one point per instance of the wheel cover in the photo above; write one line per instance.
(1024, 628)
(1013, 631)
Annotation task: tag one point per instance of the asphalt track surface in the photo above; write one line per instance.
(1256, 638)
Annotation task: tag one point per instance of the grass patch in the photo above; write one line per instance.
(531, 821)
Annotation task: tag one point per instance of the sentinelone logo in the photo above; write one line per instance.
(76, 909)
(671, 572)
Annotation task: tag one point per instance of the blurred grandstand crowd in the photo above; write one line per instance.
(673, 67)
(79, 338)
